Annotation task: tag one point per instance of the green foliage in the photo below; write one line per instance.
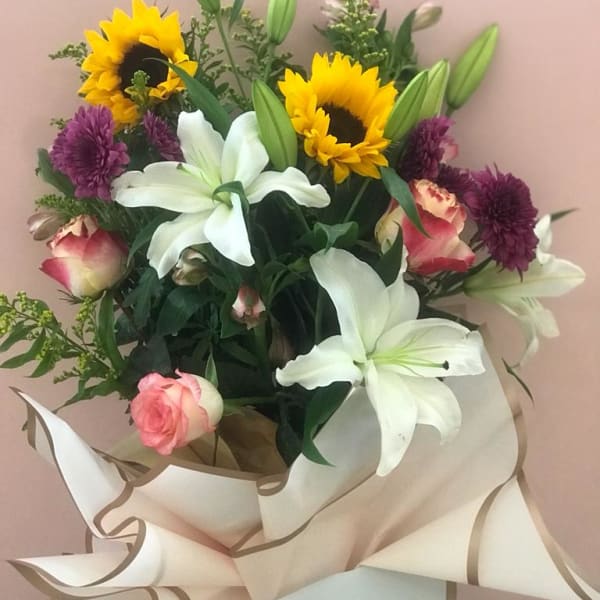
(76, 52)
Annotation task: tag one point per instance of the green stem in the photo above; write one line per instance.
(268, 62)
(227, 47)
(358, 198)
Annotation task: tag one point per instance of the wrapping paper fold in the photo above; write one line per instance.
(455, 513)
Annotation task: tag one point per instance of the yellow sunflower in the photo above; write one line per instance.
(341, 112)
(123, 49)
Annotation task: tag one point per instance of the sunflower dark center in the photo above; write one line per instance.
(136, 60)
(344, 125)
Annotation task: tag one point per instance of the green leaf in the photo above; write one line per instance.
(144, 236)
(399, 190)
(18, 333)
(141, 297)
(210, 372)
(45, 366)
(235, 12)
(382, 22)
(152, 357)
(555, 216)
(287, 440)
(233, 187)
(181, 304)
(105, 331)
(203, 100)
(31, 354)
(320, 408)
(389, 264)
(240, 353)
(510, 370)
(47, 172)
(324, 237)
(403, 46)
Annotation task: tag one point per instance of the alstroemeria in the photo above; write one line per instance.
(381, 343)
(546, 277)
(192, 189)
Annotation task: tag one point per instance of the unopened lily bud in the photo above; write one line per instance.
(281, 350)
(190, 268)
(43, 224)
(280, 16)
(406, 111)
(276, 131)
(436, 90)
(248, 307)
(427, 15)
(210, 6)
(471, 68)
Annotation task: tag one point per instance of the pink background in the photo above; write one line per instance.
(536, 115)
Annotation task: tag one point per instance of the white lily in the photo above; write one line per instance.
(382, 344)
(189, 188)
(547, 276)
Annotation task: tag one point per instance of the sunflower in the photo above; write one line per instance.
(123, 50)
(341, 112)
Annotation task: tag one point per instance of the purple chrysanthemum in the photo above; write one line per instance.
(86, 151)
(502, 208)
(162, 137)
(457, 181)
(428, 145)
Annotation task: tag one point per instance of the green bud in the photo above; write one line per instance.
(436, 90)
(406, 111)
(280, 16)
(212, 7)
(471, 68)
(275, 127)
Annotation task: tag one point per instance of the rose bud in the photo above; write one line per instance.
(471, 68)
(427, 15)
(170, 413)
(280, 16)
(190, 268)
(275, 127)
(248, 307)
(86, 259)
(443, 217)
(44, 224)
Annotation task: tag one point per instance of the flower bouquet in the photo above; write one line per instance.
(271, 266)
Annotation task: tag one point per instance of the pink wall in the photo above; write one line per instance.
(536, 115)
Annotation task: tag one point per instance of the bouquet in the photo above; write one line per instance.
(270, 264)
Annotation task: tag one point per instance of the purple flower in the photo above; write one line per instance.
(428, 145)
(86, 151)
(457, 181)
(162, 137)
(502, 208)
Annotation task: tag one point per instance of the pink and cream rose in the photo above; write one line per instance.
(86, 260)
(442, 216)
(169, 413)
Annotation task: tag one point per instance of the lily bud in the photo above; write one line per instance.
(190, 268)
(427, 15)
(248, 307)
(212, 7)
(471, 67)
(280, 16)
(44, 224)
(436, 90)
(276, 131)
(406, 111)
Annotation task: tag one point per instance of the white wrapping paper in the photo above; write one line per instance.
(454, 513)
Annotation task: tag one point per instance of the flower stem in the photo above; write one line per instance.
(227, 47)
(358, 198)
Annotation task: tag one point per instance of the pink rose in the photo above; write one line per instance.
(443, 218)
(170, 413)
(86, 259)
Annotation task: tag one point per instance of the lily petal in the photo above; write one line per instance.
(291, 181)
(430, 348)
(171, 238)
(201, 145)
(244, 155)
(543, 232)
(325, 363)
(397, 414)
(404, 302)
(169, 185)
(226, 231)
(359, 297)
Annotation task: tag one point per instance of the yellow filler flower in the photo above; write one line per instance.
(341, 112)
(122, 51)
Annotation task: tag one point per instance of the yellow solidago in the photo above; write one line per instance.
(122, 51)
(341, 112)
